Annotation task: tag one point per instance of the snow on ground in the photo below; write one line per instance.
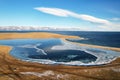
(46, 73)
(116, 69)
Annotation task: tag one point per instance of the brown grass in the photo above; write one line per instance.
(33, 35)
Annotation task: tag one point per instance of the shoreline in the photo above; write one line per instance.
(31, 35)
(5, 51)
(95, 46)
(44, 35)
(11, 65)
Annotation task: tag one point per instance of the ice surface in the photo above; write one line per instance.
(38, 50)
(103, 56)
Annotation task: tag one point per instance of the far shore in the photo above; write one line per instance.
(33, 35)
(39, 35)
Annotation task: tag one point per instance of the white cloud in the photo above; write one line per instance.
(115, 19)
(67, 13)
(102, 24)
(53, 11)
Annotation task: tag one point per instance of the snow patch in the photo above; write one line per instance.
(58, 76)
(46, 73)
(116, 70)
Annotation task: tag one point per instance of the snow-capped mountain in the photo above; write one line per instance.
(35, 28)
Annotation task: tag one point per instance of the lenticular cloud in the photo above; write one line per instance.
(67, 13)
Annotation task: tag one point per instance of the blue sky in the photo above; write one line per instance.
(98, 15)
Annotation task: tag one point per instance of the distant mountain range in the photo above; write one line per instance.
(35, 28)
